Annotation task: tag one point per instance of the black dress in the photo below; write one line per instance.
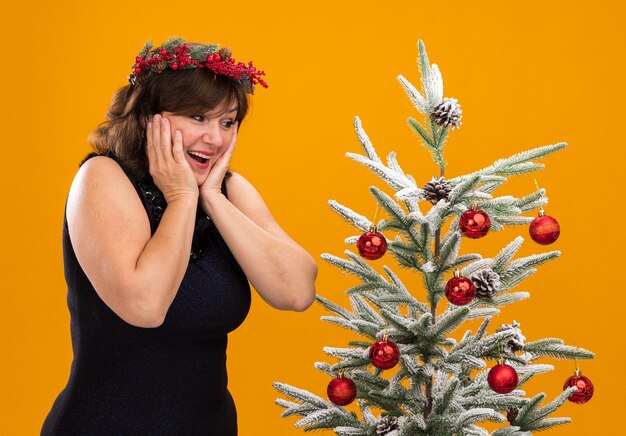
(169, 380)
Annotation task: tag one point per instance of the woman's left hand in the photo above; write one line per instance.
(213, 183)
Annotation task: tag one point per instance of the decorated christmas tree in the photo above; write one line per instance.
(408, 373)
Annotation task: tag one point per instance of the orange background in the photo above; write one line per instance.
(526, 74)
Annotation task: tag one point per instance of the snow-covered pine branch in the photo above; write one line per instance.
(507, 166)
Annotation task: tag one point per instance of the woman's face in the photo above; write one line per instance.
(206, 136)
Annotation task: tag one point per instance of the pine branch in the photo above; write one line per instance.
(557, 350)
(332, 307)
(300, 394)
(390, 206)
(530, 417)
(350, 216)
(365, 310)
(511, 431)
(502, 167)
(506, 254)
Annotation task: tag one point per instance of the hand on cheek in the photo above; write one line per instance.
(213, 183)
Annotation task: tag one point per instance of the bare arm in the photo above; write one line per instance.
(135, 274)
(281, 271)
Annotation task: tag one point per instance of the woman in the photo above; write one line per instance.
(149, 320)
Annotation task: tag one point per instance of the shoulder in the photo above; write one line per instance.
(99, 168)
(100, 185)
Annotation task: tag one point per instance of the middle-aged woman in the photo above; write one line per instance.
(160, 240)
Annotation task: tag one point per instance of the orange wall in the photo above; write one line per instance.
(526, 74)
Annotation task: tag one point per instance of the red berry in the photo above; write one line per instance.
(138, 59)
(174, 66)
(163, 52)
(217, 58)
(137, 70)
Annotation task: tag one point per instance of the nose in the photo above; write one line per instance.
(211, 135)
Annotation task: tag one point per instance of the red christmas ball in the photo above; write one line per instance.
(584, 385)
(460, 290)
(341, 391)
(372, 245)
(544, 229)
(384, 354)
(502, 378)
(475, 223)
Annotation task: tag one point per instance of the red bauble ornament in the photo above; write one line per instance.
(584, 385)
(544, 229)
(502, 378)
(384, 354)
(460, 290)
(474, 223)
(372, 245)
(341, 390)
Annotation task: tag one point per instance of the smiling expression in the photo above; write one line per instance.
(206, 136)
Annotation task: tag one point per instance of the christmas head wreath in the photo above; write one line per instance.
(176, 54)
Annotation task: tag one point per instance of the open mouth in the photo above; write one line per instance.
(200, 157)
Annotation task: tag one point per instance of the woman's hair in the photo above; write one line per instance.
(184, 92)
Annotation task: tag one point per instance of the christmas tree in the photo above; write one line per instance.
(439, 385)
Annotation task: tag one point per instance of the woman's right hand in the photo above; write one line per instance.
(168, 167)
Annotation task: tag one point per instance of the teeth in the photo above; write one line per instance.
(200, 155)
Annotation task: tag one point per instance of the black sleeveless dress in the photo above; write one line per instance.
(169, 380)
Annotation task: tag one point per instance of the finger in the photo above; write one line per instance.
(177, 147)
(166, 137)
(149, 147)
(233, 142)
(156, 137)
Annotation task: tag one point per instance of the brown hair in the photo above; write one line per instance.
(184, 92)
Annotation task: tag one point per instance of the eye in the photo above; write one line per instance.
(228, 123)
(198, 117)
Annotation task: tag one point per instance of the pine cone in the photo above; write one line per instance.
(386, 425)
(137, 79)
(225, 53)
(158, 67)
(435, 190)
(515, 343)
(487, 283)
(511, 414)
(447, 113)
